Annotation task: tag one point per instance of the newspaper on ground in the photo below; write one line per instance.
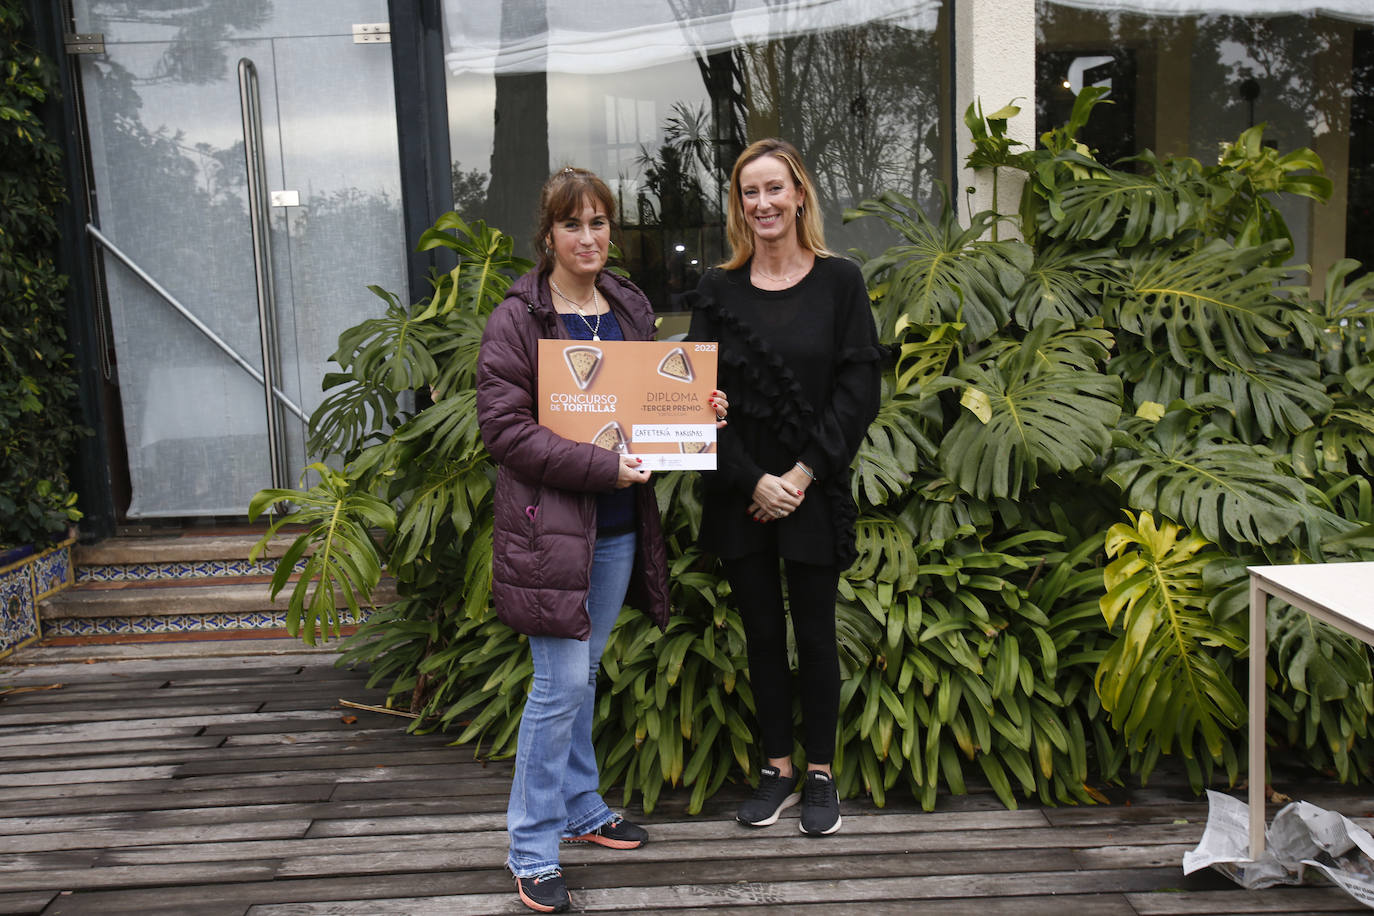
(1301, 835)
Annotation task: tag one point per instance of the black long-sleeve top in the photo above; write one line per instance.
(802, 369)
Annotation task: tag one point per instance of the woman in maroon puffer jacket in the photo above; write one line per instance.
(576, 528)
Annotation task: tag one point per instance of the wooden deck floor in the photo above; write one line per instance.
(237, 785)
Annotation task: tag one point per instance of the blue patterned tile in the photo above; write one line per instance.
(52, 571)
(143, 572)
(18, 615)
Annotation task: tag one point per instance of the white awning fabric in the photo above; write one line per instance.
(593, 36)
(1355, 10)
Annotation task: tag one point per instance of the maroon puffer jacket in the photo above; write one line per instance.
(546, 486)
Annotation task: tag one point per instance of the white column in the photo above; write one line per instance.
(994, 63)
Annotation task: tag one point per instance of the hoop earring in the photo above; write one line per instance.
(799, 211)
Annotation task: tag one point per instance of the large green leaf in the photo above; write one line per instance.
(1330, 674)
(1027, 416)
(1343, 442)
(1346, 312)
(1276, 395)
(341, 559)
(1167, 679)
(1061, 284)
(1229, 491)
(1125, 206)
(895, 447)
(943, 273)
(1245, 184)
(350, 414)
(1219, 300)
(486, 265)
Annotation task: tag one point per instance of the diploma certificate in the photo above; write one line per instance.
(636, 397)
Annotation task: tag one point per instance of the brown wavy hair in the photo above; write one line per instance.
(561, 198)
(810, 232)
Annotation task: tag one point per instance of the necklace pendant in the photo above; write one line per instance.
(596, 337)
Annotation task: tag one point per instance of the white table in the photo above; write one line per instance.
(1341, 594)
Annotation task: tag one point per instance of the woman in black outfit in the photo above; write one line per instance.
(800, 354)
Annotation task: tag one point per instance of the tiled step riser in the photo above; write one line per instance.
(180, 623)
(189, 585)
(163, 572)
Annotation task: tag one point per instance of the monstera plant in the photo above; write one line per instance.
(1091, 425)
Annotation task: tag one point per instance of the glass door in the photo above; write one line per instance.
(167, 135)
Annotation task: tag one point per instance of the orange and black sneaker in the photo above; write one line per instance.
(617, 833)
(546, 893)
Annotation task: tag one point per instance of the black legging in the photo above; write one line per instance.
(757, 589)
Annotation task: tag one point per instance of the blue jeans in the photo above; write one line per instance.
(555, 790)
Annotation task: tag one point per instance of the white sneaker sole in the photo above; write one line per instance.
(835, 828)
(787, 802)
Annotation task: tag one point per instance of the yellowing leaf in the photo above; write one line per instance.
(1150, 410)
(977, 403)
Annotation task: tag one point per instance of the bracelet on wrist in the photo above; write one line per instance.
(805, 470)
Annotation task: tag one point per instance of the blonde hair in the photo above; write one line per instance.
(562, 196)
(810, 233)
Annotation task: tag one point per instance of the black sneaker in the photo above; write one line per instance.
(546, 893)
(774, 794)
(617, 833)
(820, 805)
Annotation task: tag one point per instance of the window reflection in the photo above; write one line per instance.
(1186, 84)
(659, 96)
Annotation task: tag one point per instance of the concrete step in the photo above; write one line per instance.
(193, 585)
(186, 548)
(82, 661)
(168, 600)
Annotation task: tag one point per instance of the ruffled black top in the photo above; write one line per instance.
(802, 369)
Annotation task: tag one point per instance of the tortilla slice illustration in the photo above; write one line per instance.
(694, 448)
(674, 365)
(611, 436)
(583, 363)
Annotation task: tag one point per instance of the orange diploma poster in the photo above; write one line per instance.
(637, 397)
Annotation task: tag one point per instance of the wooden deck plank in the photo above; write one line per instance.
(113, 727)
(266, 758)
(238, 785)
(108, 774)
(1270, 900)
(285, 801)
(16, 755)
(47, 861)
(1096, 905)
(297, 696)
(75, 879)
(211, 759)
(114, 838)
(25, 903)
(64, 715)
(299, 738)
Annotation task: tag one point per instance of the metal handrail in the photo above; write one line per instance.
(186, 313)
(250, 108)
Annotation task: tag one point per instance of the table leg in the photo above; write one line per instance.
(1259, 651)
